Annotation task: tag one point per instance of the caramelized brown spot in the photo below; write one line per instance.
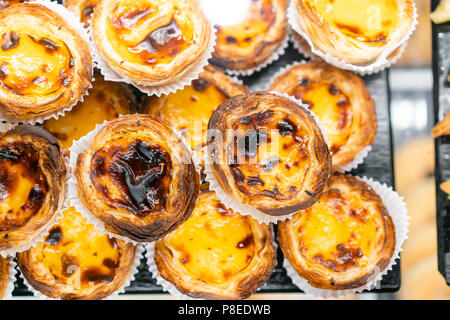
(286, 127)
(245, 242)
(141, 171)
(97, 276)
(200, 85)
(10, 40)
(231, 39)
(130, 19)
(69, 265)
(54, 237)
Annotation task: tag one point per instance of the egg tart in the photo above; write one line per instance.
(216, 253)
(32, 185)
(106, 101)
(267, 152)
(138, 178)
(344, 240)
(83, 9)
(77, 261)
(151, 42)
(356, 32)
(341, 101)
(204, 95)
(4, 276)
(45, 66)
(255, 39)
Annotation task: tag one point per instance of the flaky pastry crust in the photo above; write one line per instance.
(76, 261)
(106, 101)
(83, 9)
(268, 152)
(227, 256)
(45, 65)
(344, 240)
(152, 42)
(138, 178)
(341, 101)
(252, 41)
(32, 172)
(4, 275)
(356, 32)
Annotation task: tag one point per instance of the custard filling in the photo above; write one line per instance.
(77, 254)
(214, 244)
(149, 32)
(331, 105)
(23, 186)
(372, 21)
(34, 64)
(339, 232)
(98, 106)
(134, 175)
(270, 154)
(252, 30)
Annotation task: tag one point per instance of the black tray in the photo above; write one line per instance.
(441, 96)
(378, 165)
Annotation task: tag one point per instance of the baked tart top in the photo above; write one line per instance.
(83, 9)
(77, 261)
(45, 66)
(344, 240)
(357, 32)
(252, 41)
(4, 275)
(268, 152)
(106, 101)
(32, 185)
(341, 101)
(204, 95)
(152, 42)
(137, 177)
(216, 253)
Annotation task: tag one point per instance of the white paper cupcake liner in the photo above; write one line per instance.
(167, 285)
(272, 58)
(45, 231)
(75, 24)
(236, 205)
(380, 64)
(359, 159)
(134, 270)
(7, 295)
(305, 52)
(111, 75)
(79, 146)
(398, 212)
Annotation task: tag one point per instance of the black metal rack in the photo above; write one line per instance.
(378, 165)
(441, 97)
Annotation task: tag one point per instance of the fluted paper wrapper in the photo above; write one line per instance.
(167, 285)
(133, 271)
(74, 23)
(234, 204)
(380, 64)
(398, 212)
(7, 295)
(359, 157)
(111, 75)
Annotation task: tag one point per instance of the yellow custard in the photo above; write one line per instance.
(149, 32)
(339, 231)
(106, 101)
(331, 105)
(252, 29)
(22, 185)
(77, 254)
(32, 62)
(189, 110)
(214, 244)
(363, 20)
